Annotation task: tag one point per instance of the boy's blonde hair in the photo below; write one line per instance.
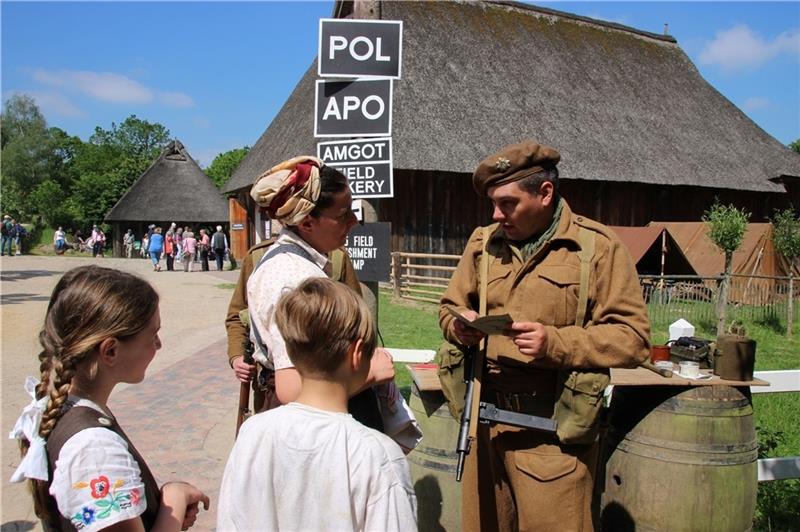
(319, 321)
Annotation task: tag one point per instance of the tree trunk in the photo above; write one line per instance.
(722, 296)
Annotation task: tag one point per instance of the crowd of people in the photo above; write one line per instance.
(319, 454)
(181, 245)
(13, 233)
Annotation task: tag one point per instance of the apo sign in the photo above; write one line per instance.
(366, 163)
(360, 48)
(359, 108)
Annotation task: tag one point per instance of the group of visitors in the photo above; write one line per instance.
(180, 244)
(14, 233)
(317, 457)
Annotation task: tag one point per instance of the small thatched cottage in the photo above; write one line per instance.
(172, 189)
(642, 135)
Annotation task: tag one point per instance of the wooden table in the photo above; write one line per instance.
(644, 377)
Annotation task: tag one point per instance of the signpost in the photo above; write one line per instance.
(359, 108)
(368, 246)
(366, 163)
(360, 48)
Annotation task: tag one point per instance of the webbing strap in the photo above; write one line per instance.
(477, 371)
(586, 240)
(280, 249)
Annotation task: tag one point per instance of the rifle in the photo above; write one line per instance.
(486, 412)
(244, 388)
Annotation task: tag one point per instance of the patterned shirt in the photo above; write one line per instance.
(278, 274)
(97, 481)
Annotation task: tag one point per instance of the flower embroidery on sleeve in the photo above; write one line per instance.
(107, 500)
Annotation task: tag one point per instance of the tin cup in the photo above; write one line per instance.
(659, 353)
(689, 369)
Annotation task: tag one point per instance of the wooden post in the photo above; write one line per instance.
(790, 307)
(396, 273)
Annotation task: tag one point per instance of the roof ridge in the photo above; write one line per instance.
(581, 18)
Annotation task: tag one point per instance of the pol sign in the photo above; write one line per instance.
(360, 48)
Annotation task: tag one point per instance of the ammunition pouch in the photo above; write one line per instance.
(451, 376)
(580, 403)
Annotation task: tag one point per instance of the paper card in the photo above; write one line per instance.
(486, 324)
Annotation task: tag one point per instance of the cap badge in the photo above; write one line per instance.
(502, 164)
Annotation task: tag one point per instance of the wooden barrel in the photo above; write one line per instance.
(433, 463)
(680, 459)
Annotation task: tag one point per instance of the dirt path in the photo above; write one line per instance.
(181, 417)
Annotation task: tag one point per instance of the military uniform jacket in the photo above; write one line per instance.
(545, 289)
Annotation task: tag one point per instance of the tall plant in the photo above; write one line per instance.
(786, 237)
(727, 226)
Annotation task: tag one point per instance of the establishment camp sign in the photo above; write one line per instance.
(360, 48)
(367, 163)
(368, 247)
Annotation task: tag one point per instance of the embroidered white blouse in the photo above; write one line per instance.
(265, 286)
(97, 482)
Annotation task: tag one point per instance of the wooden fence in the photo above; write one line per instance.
(763, 299)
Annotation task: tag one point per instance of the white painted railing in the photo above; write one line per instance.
(785, 467)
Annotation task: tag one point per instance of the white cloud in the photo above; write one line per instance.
(105, 86)
(755, 103)
(175, 99)
(739, 48)
(54, 103)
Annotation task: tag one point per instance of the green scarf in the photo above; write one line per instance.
(529, 247)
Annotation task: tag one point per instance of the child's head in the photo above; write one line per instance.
(320, 320)
(88, 305)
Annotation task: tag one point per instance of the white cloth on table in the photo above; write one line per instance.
(300, 468)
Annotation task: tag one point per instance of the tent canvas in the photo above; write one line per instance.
(654, 250)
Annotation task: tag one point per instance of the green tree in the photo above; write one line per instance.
(786, 237)
(795, 145)
(222, 167)
(727, 226)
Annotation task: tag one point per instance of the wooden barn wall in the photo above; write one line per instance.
(435, 212)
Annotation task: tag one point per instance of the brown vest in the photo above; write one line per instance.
(74, 420)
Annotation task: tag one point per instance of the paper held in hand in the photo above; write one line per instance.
(486, 324)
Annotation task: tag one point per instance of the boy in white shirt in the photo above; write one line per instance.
(309, 465)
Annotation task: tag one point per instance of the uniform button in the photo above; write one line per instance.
(580, 218)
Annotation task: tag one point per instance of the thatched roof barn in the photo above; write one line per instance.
(642, 135)
(172, 189)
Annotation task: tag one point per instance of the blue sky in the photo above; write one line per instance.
(215, 74)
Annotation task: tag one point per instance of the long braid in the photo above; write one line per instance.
(88, 305)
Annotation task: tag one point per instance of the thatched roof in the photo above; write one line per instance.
(620, 104)
(173, 188)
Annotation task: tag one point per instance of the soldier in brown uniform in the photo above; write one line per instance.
(553, 359)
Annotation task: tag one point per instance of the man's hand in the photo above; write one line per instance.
(244, 372)
(529, 337)
(467, 335)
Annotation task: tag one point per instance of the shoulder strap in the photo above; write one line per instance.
(586, 239)
(484, 272)
(337, 264)
(279, 249)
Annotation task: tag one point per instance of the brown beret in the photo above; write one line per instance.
(512, 163)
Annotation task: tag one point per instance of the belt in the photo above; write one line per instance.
(524, 403)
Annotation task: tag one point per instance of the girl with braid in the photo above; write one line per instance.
(101, 329)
